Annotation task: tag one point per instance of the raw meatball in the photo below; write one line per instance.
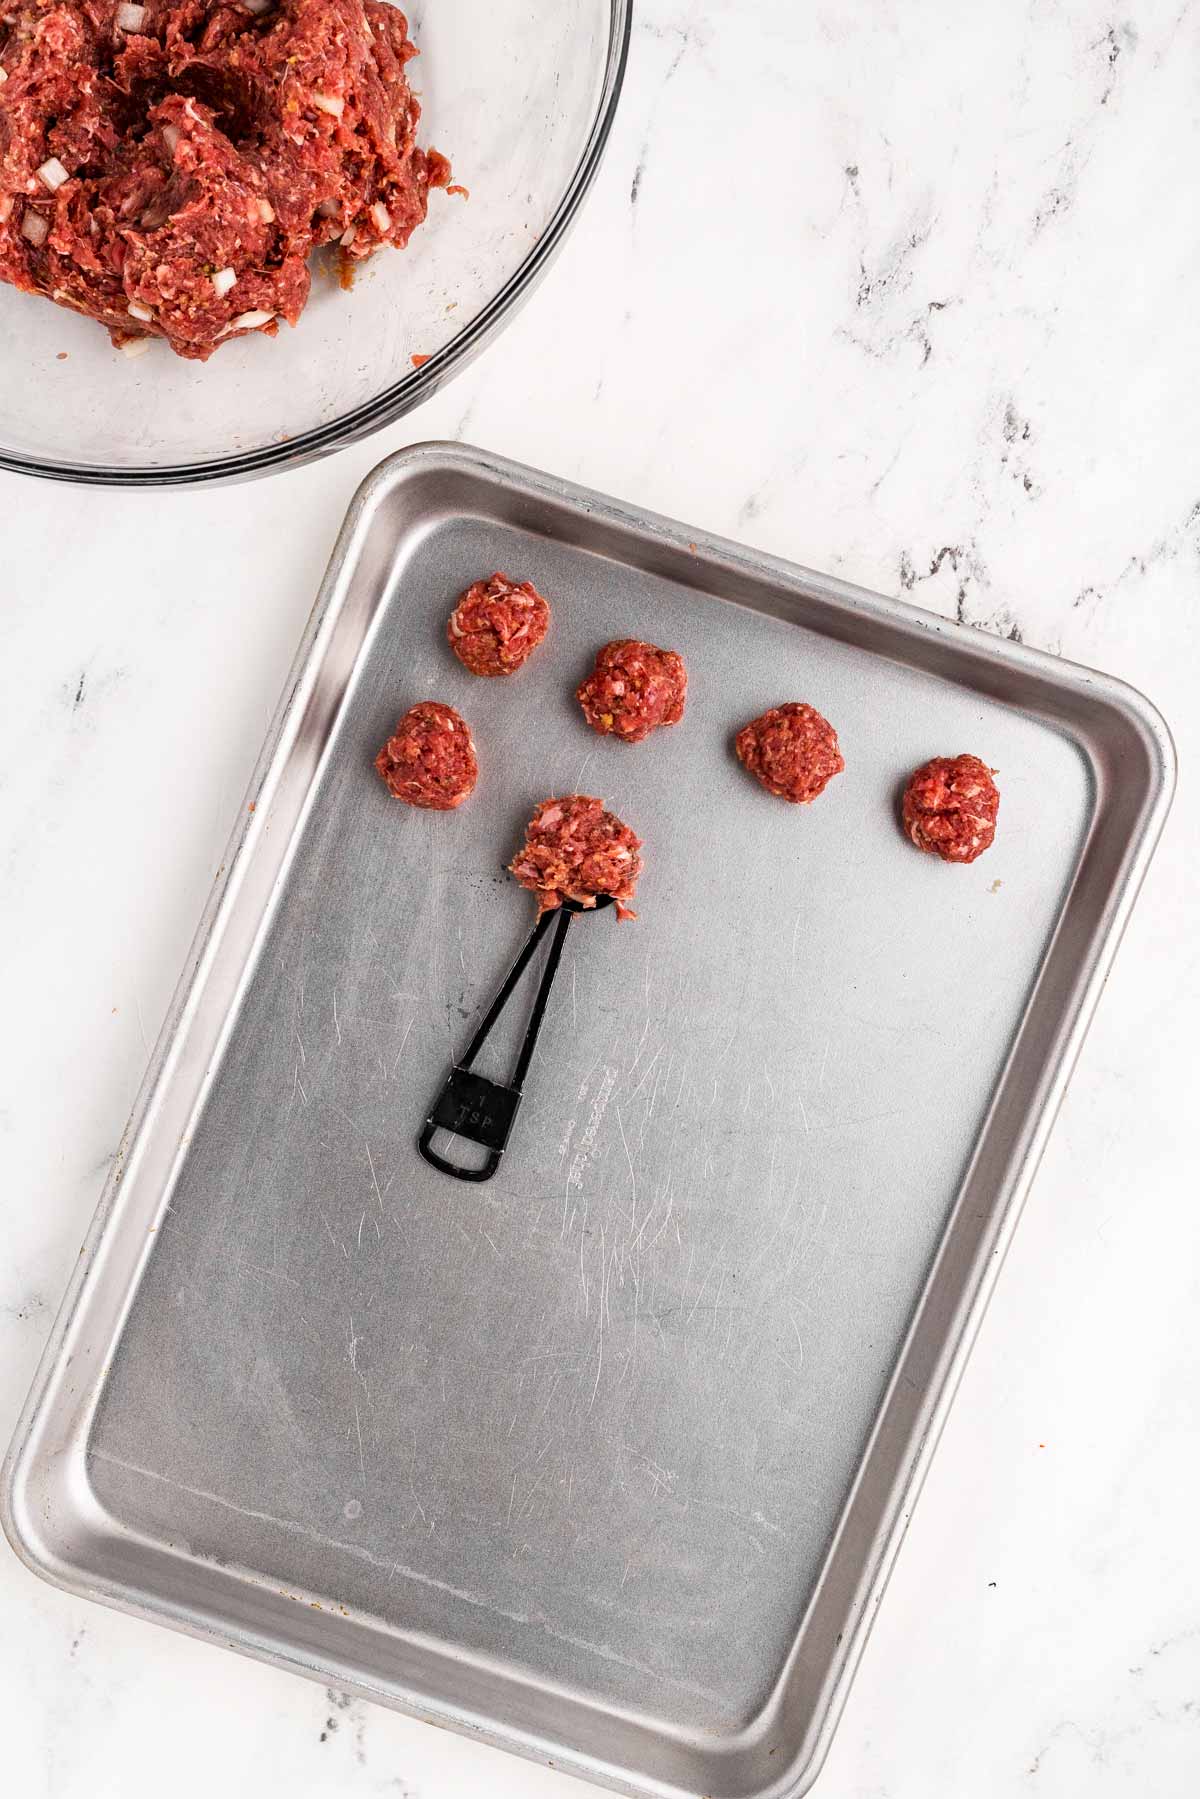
(497, 625)
(792, 750)
(633, 689)
(430, 758)
(167, 167)
(950, 807)
(576, 850)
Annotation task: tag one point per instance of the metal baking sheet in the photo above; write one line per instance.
(606, 1460)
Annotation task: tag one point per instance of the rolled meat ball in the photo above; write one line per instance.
(429, 760)
(497, 624)
(634, 688)
(950, 807)
(792, 750)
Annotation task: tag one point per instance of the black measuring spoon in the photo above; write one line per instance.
(470, 1105)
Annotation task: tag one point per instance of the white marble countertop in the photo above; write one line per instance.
(908, 292)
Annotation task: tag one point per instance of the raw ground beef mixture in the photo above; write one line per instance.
(950, 807)
(633, 689)
(792, 750)
(167, 167)
(429, 760)
(576, 850)
(497, 624)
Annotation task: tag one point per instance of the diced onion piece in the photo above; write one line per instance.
(333, 104)
(223, 280)
(34, 228)
(131, 18)
(3, 76)
(266, 212)
(6, 208)
(246, 321)
(382, 218)
(171, 137)
(136, 346)
(136, 310)
(348, 236)
(52, 174)
(328, 209)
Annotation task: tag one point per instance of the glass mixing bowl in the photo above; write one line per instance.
(520, 97)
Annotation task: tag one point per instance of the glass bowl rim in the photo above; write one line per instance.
(417, 385)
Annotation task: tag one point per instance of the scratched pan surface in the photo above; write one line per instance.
(605, 1460)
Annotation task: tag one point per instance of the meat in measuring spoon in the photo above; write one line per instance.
(576, 850)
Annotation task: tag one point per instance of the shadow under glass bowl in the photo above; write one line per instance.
(520, 97)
